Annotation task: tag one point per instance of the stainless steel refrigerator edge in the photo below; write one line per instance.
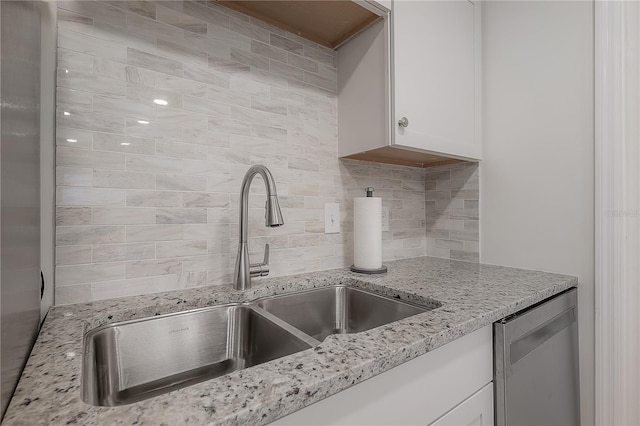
(536, 365)
(19, 187)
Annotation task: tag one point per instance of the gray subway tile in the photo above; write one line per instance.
(285, 44)
(182, 53)
(154, 62)
(267, 51)
(151, 28)
(286, 70)
(181, 215)
(78, 235)
(248, 29)
(73, 216)
(123, 179)
(76, 274)
(269, 105)
(122, 252)
(84, 43)
(123, 216)
(249, 59)
(98, 11)
(206, 14)
(72, 157)
(141, 198)
(139, 7)
(465, 255)
(74, 61)
(180, 20)
(145, 233)
(206, 75)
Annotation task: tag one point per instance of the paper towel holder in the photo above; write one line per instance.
(369, 190)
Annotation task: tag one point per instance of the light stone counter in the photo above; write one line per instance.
(472, 296)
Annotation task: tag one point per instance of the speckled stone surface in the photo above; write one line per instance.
(472, 296)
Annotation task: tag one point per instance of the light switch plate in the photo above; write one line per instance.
(385, 218)
(332, 218)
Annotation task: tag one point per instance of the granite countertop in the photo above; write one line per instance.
(472, 296)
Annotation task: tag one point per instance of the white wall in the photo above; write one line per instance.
(537, 190)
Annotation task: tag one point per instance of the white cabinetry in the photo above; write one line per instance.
(448, 381)
(477, 410)
(421, 63)
(384, 5)
(434, 76)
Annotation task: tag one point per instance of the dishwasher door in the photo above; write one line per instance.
(536, 364)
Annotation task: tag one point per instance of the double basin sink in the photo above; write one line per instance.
(134, 360)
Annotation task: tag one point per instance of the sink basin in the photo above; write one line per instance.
(337, 310)
(134, 360)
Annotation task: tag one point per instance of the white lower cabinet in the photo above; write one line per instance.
(477, 410)
(449, 385)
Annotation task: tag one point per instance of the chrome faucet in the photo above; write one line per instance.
(273, 218)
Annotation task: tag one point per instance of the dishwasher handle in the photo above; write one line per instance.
(536, 337)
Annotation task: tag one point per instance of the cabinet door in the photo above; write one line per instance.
(435, 75)
(477, 410)
(414, 393)
(385, 4)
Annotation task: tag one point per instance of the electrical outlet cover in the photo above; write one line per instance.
(332, 218)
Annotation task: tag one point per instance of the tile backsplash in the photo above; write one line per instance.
(161, 109)
(452, 212)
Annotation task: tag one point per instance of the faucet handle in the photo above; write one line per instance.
(261, 269)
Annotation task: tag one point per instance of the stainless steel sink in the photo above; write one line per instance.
(337, 310)
(131, 361)
(134, 360)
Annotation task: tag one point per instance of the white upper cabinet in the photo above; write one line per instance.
(383, 4)
(409, 86)
(434, 76)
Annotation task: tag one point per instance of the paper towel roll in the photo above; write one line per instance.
(367, 232)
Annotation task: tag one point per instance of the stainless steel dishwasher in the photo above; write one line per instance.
(536, 364)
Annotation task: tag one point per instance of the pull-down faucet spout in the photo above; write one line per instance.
(273, 218)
